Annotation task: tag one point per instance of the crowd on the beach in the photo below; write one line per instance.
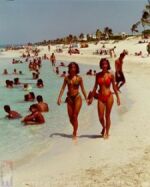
(104, 80)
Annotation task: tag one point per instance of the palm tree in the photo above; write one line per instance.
(75, 39)
(81, 36)
(70, 38)
(134, 27)
(88, 37)
(107, 32)
(145, 20)
(98, 34)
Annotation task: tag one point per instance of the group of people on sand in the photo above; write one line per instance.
(101, 92)
(104, 51)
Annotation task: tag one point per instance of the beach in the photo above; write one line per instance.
(122, 160)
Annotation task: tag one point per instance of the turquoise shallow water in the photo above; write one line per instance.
(17, 141)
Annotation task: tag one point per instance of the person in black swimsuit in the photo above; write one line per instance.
(73, 100)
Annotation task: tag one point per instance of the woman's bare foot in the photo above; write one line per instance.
(106, 136)
(103, 131)
(74, 136)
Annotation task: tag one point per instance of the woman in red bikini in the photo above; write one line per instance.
(73, 100)
(104, 80)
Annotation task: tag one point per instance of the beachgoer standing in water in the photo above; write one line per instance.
(11, 113)
(119, 75)
(104, 80)
(53, 59)
(73, 100)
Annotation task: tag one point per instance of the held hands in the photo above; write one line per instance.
(89, 101)
(90, 98)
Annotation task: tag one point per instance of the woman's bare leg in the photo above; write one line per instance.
(70, 109)
(77, 107)
(101, 108)
(109, 105)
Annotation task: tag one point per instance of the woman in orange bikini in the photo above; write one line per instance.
(104, 79)
(73, 100)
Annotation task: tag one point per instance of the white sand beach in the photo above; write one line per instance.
(122, 160)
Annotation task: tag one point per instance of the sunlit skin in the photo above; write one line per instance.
(34, 118)
(53, 59)
(104, 107)
(73, 107)
(118, 70)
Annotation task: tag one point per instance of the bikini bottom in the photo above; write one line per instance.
(104, 98)
(71, 98)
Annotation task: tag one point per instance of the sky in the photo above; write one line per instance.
(23, 21)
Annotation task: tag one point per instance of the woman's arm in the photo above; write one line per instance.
(61, 92)
(115, 90)
(95, 87)
(82, 88)
(93, 92)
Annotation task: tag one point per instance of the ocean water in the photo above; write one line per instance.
(18, 142)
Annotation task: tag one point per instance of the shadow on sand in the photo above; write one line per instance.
(61, 134)
(70, 136)
(92, 136)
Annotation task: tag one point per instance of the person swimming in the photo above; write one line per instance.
(53, 59)
(41, 106)
(9, 83)
(29, 97)
(16, 81)
(39, 83)
(11, 113)
(35, 118)
(27, 87)
(5, 72)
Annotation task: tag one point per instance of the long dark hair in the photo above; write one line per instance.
(77, 67)
(104, 60)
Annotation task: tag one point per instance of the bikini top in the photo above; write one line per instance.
(104, 81)
(74, 83)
